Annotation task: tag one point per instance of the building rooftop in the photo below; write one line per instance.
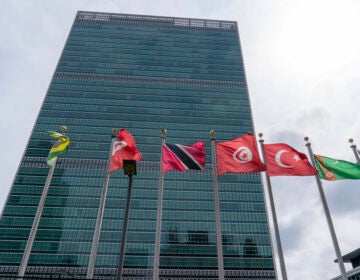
(352, 255)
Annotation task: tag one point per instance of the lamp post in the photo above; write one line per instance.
(130, 170)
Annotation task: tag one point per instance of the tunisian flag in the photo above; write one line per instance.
(283, 160)
(182, 158)
(240, 155)
(124, 148)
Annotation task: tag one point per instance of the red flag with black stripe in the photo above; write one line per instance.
(182, 158)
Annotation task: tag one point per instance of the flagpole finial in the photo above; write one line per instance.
(114, 130)
(351, 140)
(261, 140)
(212, 134)
(306, 139)
(163, 131)
(63, 128)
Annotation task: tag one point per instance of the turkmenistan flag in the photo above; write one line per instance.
(334, 169)
(60, 147)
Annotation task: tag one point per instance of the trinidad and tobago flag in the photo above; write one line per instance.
(182, 158)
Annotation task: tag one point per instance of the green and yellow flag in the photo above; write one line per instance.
(60, 147)
(334, 169)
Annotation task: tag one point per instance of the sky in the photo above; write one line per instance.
(302, 63)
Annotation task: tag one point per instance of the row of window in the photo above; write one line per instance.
(144, 193)
(84, 99)
(183, 38)
(136, 261)
(158, 50)
(202, 61)
(11, 215)
(157, 43)
(177, 249)
(190, 248)
(148, 87)
(133, 23)
(210, 60)
(148, 111)
(115, 31)
(215, 104)
(149, 82)
(170, 235)
(154, 73)
(16, 203)
(209, 121)
(154, 65)
(103, 133)
(135, 214)
(246, 182)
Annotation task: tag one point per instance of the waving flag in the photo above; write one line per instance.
(283, 160)
(240, 155)
(335, 169)
(60, 147)
(124, 148)
(182, 158)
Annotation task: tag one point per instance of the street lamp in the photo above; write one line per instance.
(130, 170)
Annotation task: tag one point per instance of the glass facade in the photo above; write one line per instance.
(142, 73)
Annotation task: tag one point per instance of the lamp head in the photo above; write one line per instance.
(129, 167)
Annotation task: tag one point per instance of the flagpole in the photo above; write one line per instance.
(159, 213)
(273, 211)
(36, 222)
(327, 214)
(99, 219)
(353, 146)
(35, 225)
(217, 207)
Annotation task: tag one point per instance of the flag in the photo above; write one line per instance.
(124, 148)
(182, 158)
(60, 147)
(240, 155)
(334, 169)
(283, 160)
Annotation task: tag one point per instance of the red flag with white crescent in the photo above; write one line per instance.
(240, 155)
(124, 148)
(283, 160)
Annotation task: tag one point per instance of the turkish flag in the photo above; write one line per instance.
(283, 160)
(240, 155)
(124, 148)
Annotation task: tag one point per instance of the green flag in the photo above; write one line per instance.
(334, 169)
(60, 147)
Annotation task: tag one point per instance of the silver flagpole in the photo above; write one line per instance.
(353, 146)
(159, 213)
(100, 215)
(35, 225)
(327, 214)
(273, 211)
(217, 207)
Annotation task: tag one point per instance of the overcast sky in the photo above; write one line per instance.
(302, 61)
